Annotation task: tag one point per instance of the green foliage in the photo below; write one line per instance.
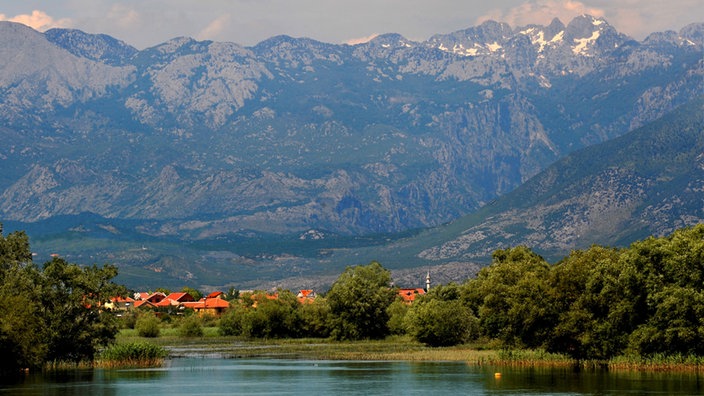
(273, 318)
(511, 297)
(231, 320)
(14, 249)
(53, 313)
(437, 322)
(397, 314)
(595, 304)
(133, 354)
(148, 325)
(197, 295)
(191, 326)
(71, 297)
(21, 323)
(315, 318)
(358, 300)
(257, 316)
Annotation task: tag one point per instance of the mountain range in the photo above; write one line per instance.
(217, 164)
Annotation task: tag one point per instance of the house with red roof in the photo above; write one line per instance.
(306, 296)
(214, 306)
(143, 304)
(155, 297)
(180, 297)
(409, 295)
(119, 304)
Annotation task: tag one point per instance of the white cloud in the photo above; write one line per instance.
(362, 40)
(38, 20)
(125, 17)
(541, 12)
(215, 28)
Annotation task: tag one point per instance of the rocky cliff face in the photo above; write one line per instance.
(647, 182)
(294, 135)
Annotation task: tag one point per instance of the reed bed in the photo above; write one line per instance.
(404, 348)
(133, 354)
(659, 362)
(531, 358)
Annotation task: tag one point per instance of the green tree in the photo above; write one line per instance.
(437, 322)
(315, 318)
(441, 318)
(14, 250)
(21, 323)
(231, 320)
(197, 295)
(397, 312)
(511, 297)
(358, 300)
(71, 298)
(273, 318)
(671, 302)
(52, 314)
(584, 288)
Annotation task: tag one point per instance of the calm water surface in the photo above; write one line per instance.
(220, 376)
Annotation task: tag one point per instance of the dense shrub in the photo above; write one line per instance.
(437, 322)
(148, 326)
(191, 326)
(231, 320)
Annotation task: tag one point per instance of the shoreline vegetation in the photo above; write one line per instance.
(395, 348)
(636, 308)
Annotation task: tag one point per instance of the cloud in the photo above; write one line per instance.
(123, 16)
(362, 40)
(38, 20)
(541, 12)
(215, 28)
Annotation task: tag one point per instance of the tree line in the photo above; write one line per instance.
(594, 304)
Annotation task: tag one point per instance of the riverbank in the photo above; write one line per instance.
(398, 349)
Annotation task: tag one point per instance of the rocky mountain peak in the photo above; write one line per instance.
(97, 47)
(694, 32)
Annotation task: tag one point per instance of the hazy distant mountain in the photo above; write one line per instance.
(206, 141)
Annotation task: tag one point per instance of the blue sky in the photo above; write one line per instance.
(144, 23)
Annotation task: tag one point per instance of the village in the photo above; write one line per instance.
(217, 302)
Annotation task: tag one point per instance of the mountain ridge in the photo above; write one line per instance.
(202, 141)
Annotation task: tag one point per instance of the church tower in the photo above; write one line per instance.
(427, 282)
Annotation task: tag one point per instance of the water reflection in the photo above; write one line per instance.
(211, 376)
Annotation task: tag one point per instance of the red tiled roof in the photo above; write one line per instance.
(156, 297)
(141, 296)
(409, 295)
(215, 294)
(207, 303)
(120, 299)
(180, 297)
(167, 302)
(140, 303)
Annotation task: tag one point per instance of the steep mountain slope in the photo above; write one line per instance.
(294, 134)
(211, 162)
(647, 182)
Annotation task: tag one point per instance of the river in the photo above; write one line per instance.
(250, 376)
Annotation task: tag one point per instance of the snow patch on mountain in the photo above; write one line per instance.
(582, 45)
